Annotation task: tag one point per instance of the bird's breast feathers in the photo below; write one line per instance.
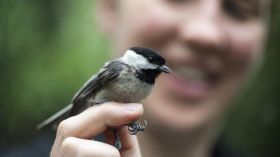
(127, 88)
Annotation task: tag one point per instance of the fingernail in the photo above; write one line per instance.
(132, 107)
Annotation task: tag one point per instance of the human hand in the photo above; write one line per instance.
(73, 133)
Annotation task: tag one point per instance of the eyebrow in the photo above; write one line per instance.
(257, 5)
(252, 5)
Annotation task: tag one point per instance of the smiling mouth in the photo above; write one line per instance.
(192, 81)
(191, 74)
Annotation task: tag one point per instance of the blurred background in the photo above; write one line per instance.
(49, 48)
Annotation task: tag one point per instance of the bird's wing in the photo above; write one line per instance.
(109, 72)
(79, 103)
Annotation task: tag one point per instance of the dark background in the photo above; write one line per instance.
(49, 48)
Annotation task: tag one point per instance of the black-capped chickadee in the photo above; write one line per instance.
(128, 79)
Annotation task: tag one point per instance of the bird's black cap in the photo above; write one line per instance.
(151, 55)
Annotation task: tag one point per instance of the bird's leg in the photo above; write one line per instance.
(118, 143)
(133, 128)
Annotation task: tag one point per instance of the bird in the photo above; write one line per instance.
(128, 79)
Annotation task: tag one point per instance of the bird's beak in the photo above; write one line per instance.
(164, 69)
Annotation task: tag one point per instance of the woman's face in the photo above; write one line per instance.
(210, 46)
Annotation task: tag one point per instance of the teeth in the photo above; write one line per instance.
(191, 73)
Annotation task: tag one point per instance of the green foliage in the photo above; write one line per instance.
(48, 50)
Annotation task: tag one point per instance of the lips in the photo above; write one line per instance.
(191, 81)
(191, 74)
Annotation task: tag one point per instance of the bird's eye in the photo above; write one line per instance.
(150, 59)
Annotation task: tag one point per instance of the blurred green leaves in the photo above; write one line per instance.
(48, 50)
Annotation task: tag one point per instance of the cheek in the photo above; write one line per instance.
(245, 48)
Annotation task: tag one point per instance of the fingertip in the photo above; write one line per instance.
(132, 107)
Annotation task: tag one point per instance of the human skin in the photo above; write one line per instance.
(211, 46)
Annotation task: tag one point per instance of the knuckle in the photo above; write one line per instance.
(69, 147)
(104, 112)
(62, 128)
(112, 152)
(115, 153)
(110, 113)
(104, 108)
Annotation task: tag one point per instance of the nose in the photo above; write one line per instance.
(204, 29)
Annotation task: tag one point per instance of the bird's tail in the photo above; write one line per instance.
(53, 121)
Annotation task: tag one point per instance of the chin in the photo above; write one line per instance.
(177, 117)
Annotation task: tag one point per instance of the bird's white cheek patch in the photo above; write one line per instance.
(138, 61)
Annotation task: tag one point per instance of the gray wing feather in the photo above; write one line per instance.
(88, 87)
(110, 71)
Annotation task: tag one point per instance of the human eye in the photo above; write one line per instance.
(241, 9)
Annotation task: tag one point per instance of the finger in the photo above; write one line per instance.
(75, 147)
(130, 146)
(96, 119)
